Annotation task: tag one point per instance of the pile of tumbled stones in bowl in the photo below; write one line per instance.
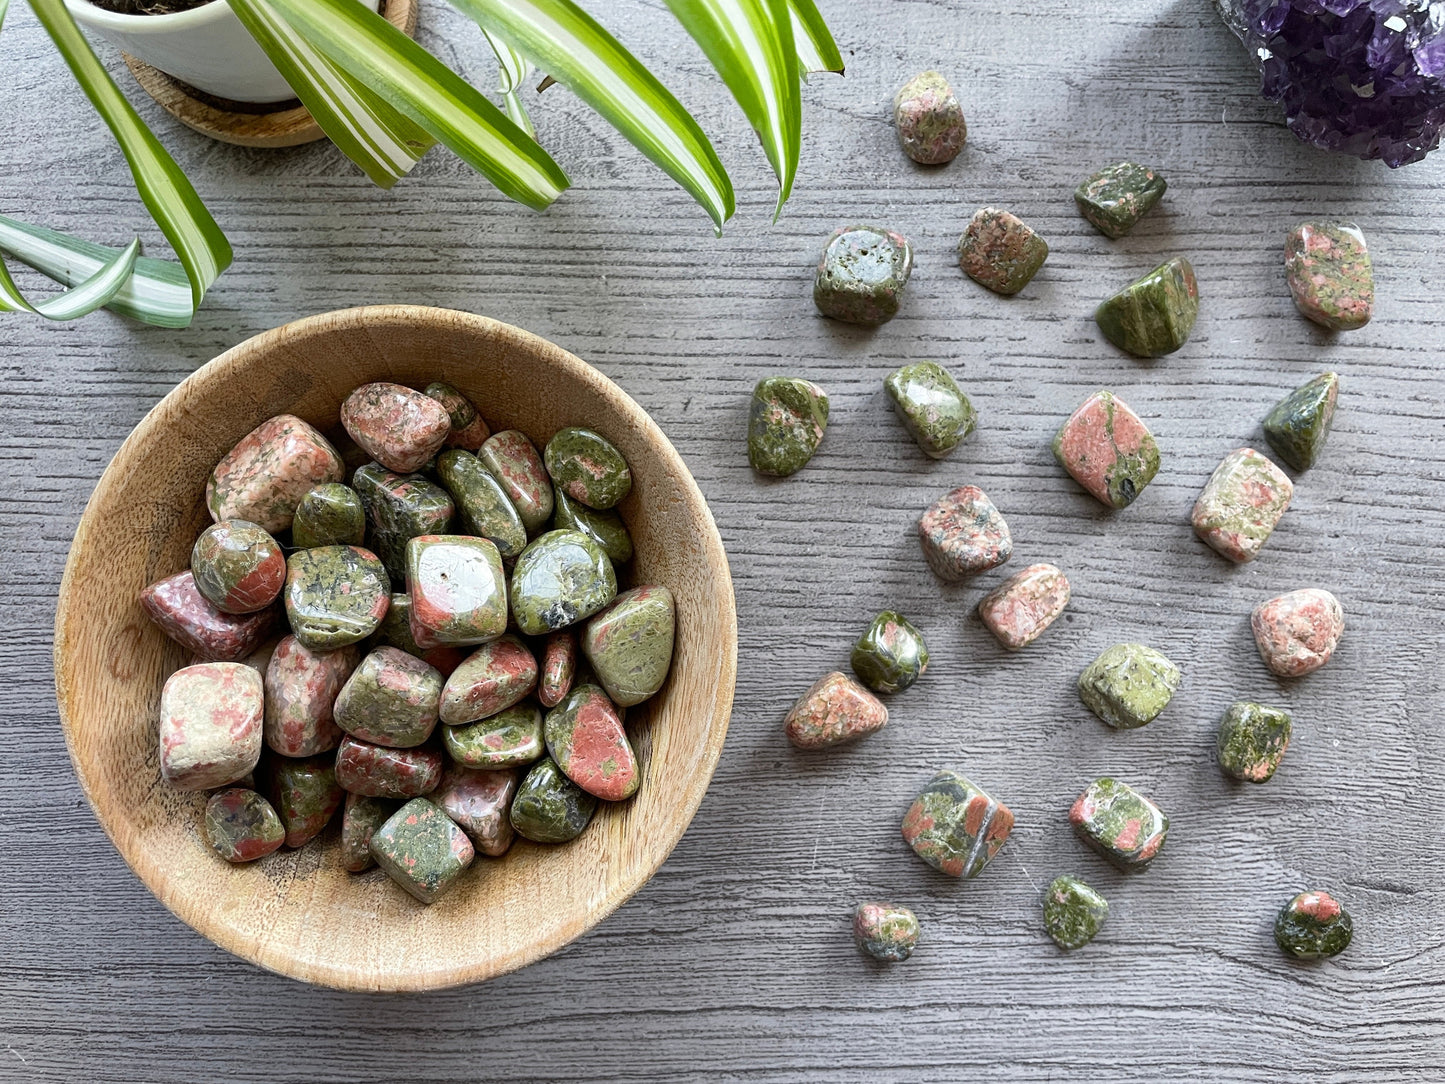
(461, 579)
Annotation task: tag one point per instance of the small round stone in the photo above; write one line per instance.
(210, 727)
(586, 738)
(458, 590)
(329, 515)
(1330, 275)
(1108, 449)
(479, 802)
(1073, 912)
(1299, 423)
(400, 507)
(493, 678)
(1018, 610)
(962, 533)
(929, 120)
(885, 931)
(1252, 740)
(862, 274)
(999, 252)
(955, 826)
(390, 699)
(269, 470)
(301, 690)
(890, 655)
(629, 643)
(930, 404)
(238, 566)
(241, 826)
(305, 794)
(587, 467)
(335, 595)
(1297, 633)
(604, 526)
(549, 807)
(1312, 926)
(561, 578)
(422, 849)
(786, 422)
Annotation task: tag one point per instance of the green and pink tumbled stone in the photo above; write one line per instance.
(241, 826)
(480, 803)
(1023, 606)
(263, 478)
(458, 589)
(1120, 823)
(1313, 926)
(834, 710)
(629, 643)
(586, 739)
(559, 667)
(1330, 275)
(929, 120)
(1297, 633)
(379, 771)
(885, 931)
(890, 655)
(360, 818)
(1252, 740)
(179, 609)
(421, 849)
(587, 467)
(210, 725)
(330, 514)
(513, 460)
(391, 699)
(305, 795)
(400, 507)
(955, 826)
(469, 430)
(400, 428)
(962, 533)
(786, 422)
(999, 252)
(483, 508)
(561, 578)
(238, 567)
(1154, 315)
(1073, 912)
(492, 679)
(1108, 450)
(1241, 504)
(1299, 423)
(862, 274)
(510, 738)
(1117, 196)
(931, 406)
(335, 595)
(549, 807)
(301, 690)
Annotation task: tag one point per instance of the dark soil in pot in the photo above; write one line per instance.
(149, 7)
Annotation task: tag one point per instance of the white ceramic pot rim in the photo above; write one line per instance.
(159, 24)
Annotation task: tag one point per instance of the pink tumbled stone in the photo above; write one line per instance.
(1297, 633)
(264, 477)
(210, 725)
(1021, 607)
(301, 689)
(183, 613)
(835, 709)
(480, 801)
(962, 533)
(1108, 450)
(1241, 504)
(398, 427)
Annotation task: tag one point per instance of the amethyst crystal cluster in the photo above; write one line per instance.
(1366, 77)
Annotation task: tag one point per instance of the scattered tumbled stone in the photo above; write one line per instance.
(1021, 607)
(396, 630)
(390, 699)
(335, 595)
(1073, 912)
(1241, 503)
(929, 403)
(785, 424)
(1128, 685)
(999, 252)
(1119, 822)
(559, 667)
(1330, 276)
(561, 578)
(835, 709)
(494, 677)
(955, 827)
(360, 818)
(399, 428)
(1297, 633)
(586, 738)
(241, 826)
(587, 467)
(862, 274)
(509, 739)
(514, 462)
(890, 655)
(629, 643)
(963, 533)
(182, 612)
(210, 725)
(238, 567)
(330, 514)
(1153, 315)
(483, 508)
(270, 469)
(305, 795)
(469, 430)
(885, 931)
(1252, 739)
(1108, 450)
(929, 120)
(1299, 423)
(1116, 197)
(400, 507)
(549, 807)
(1313, 926)
(458, 589)
(421, 849)
(379, 771)
(479, 802)
(301, 690)
(603, 526)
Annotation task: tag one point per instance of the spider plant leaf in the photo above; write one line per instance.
(817, 51)
(567, 43)
(389, 64)
(79, 300)
(512, 71)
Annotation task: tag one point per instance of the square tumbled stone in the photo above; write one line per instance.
(1018, 610)
(1108, 450)
(955, 826)
(1241, 504)
(1128, 685)
(422, 849)
(999, 252)
(1120, 823)
(963, 533)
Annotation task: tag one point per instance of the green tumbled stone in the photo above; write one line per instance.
(1330, 275)
(862, 274)
(1299, 423)
(586, 738)
(360, 818)
(335, 595)
(513, 460)
(1120, 823)
(785, 424)
(238, 567)
(329, 515)
(241, 826)
(400, 507)
(1252, 740)
(1116, 197)
(390, 699)
(885, 931)
(956, 827)
(587, 467)
(928, 402)
(999, 252)
(1154, 315)
(605, 526)
(458, 589)
(629, 643)
(511, 738)
(483, 507)
(422, 849)
(1312, 926)
(1073, 912)
(890, 655)
(1128, 685)
(549, 807)
(561, 578)
(304, 794)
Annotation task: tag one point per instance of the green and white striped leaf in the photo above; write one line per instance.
(512, 71)
(81, 299)
(386, 62)
(567, 43)
(817, 51)
(379, 139)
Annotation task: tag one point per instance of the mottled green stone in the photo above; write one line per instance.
(1108, 449)
(929, 120)
(586, 738)
(395, 627)
(1128, 685)
(483, 507)
(862, 274)
(400, 507)
(335, 595)
(785, 424)
(458, 589)
(890, 655)
(360, 818)
(1073, 912)
(1327, 265)
(511, 738)
(513, 460)
(560, 579)
(237, 566)
(390, 699)
(605, 526)
(587, 467)
(999, 252)
(1116, 197)
(422, 849)
(1252, 740)
(1299, 423)
(885, 931)
(549, 807)
(1154, 315)
(930, 404)
(955, 826)
(1313, 926)
(629, 643)
(330, 514)
(241, 826)
(1120, 823)
(305, 795)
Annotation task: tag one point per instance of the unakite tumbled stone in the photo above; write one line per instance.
(1330, 276)
(1018, 610)
(963, 533)
(513, 460)
(480, 803)
(398, 427)
(483, 508)
(1073, 912)
(1128, 685)
(469, 431)
(629, 643)
(862, 274)
(1116, 197)
(270, 469)
(379, 771)
(400, 507)
(493, 677)
(603, 526)
(586, 738)
(458, 589)
(1153, 315)
(390, 699)
(209, 731)
(1313, 926)
(1297, 633)
(335, 595)
(928, 402)
(301, 690)
(834, 710)
(558, 667)
(330, 514)
(305, 795)
(179, 609)
(238, 567)
(1252, 740)
(785, 424)
(1119, 822)
(929, 120)
(549, 807)
(422, 849)
(955, 827)
(587, 467)
(361, 816)
(999, 252)
(510, 738)
(1241, 504)
(1108, 450)
(561, 578)
(241, 826)
(885, 931)
(890, 655)
(1299, 423)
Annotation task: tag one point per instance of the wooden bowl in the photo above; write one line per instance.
(298, 912)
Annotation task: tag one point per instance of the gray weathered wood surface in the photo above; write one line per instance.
(735, 961)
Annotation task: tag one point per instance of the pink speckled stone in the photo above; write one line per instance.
(963, 533)
(1108, 450)
(1297, 633)
(1241, 503)
(835, 709)
(480, 801)
(182, 612)
(301, 687)
(264, 477)
(398, 427)
(210, 725)
(1021, 607)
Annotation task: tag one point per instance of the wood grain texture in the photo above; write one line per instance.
(735, 961)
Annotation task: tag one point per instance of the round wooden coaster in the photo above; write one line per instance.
(249, 124)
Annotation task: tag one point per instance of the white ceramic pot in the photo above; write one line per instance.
(206, 47)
